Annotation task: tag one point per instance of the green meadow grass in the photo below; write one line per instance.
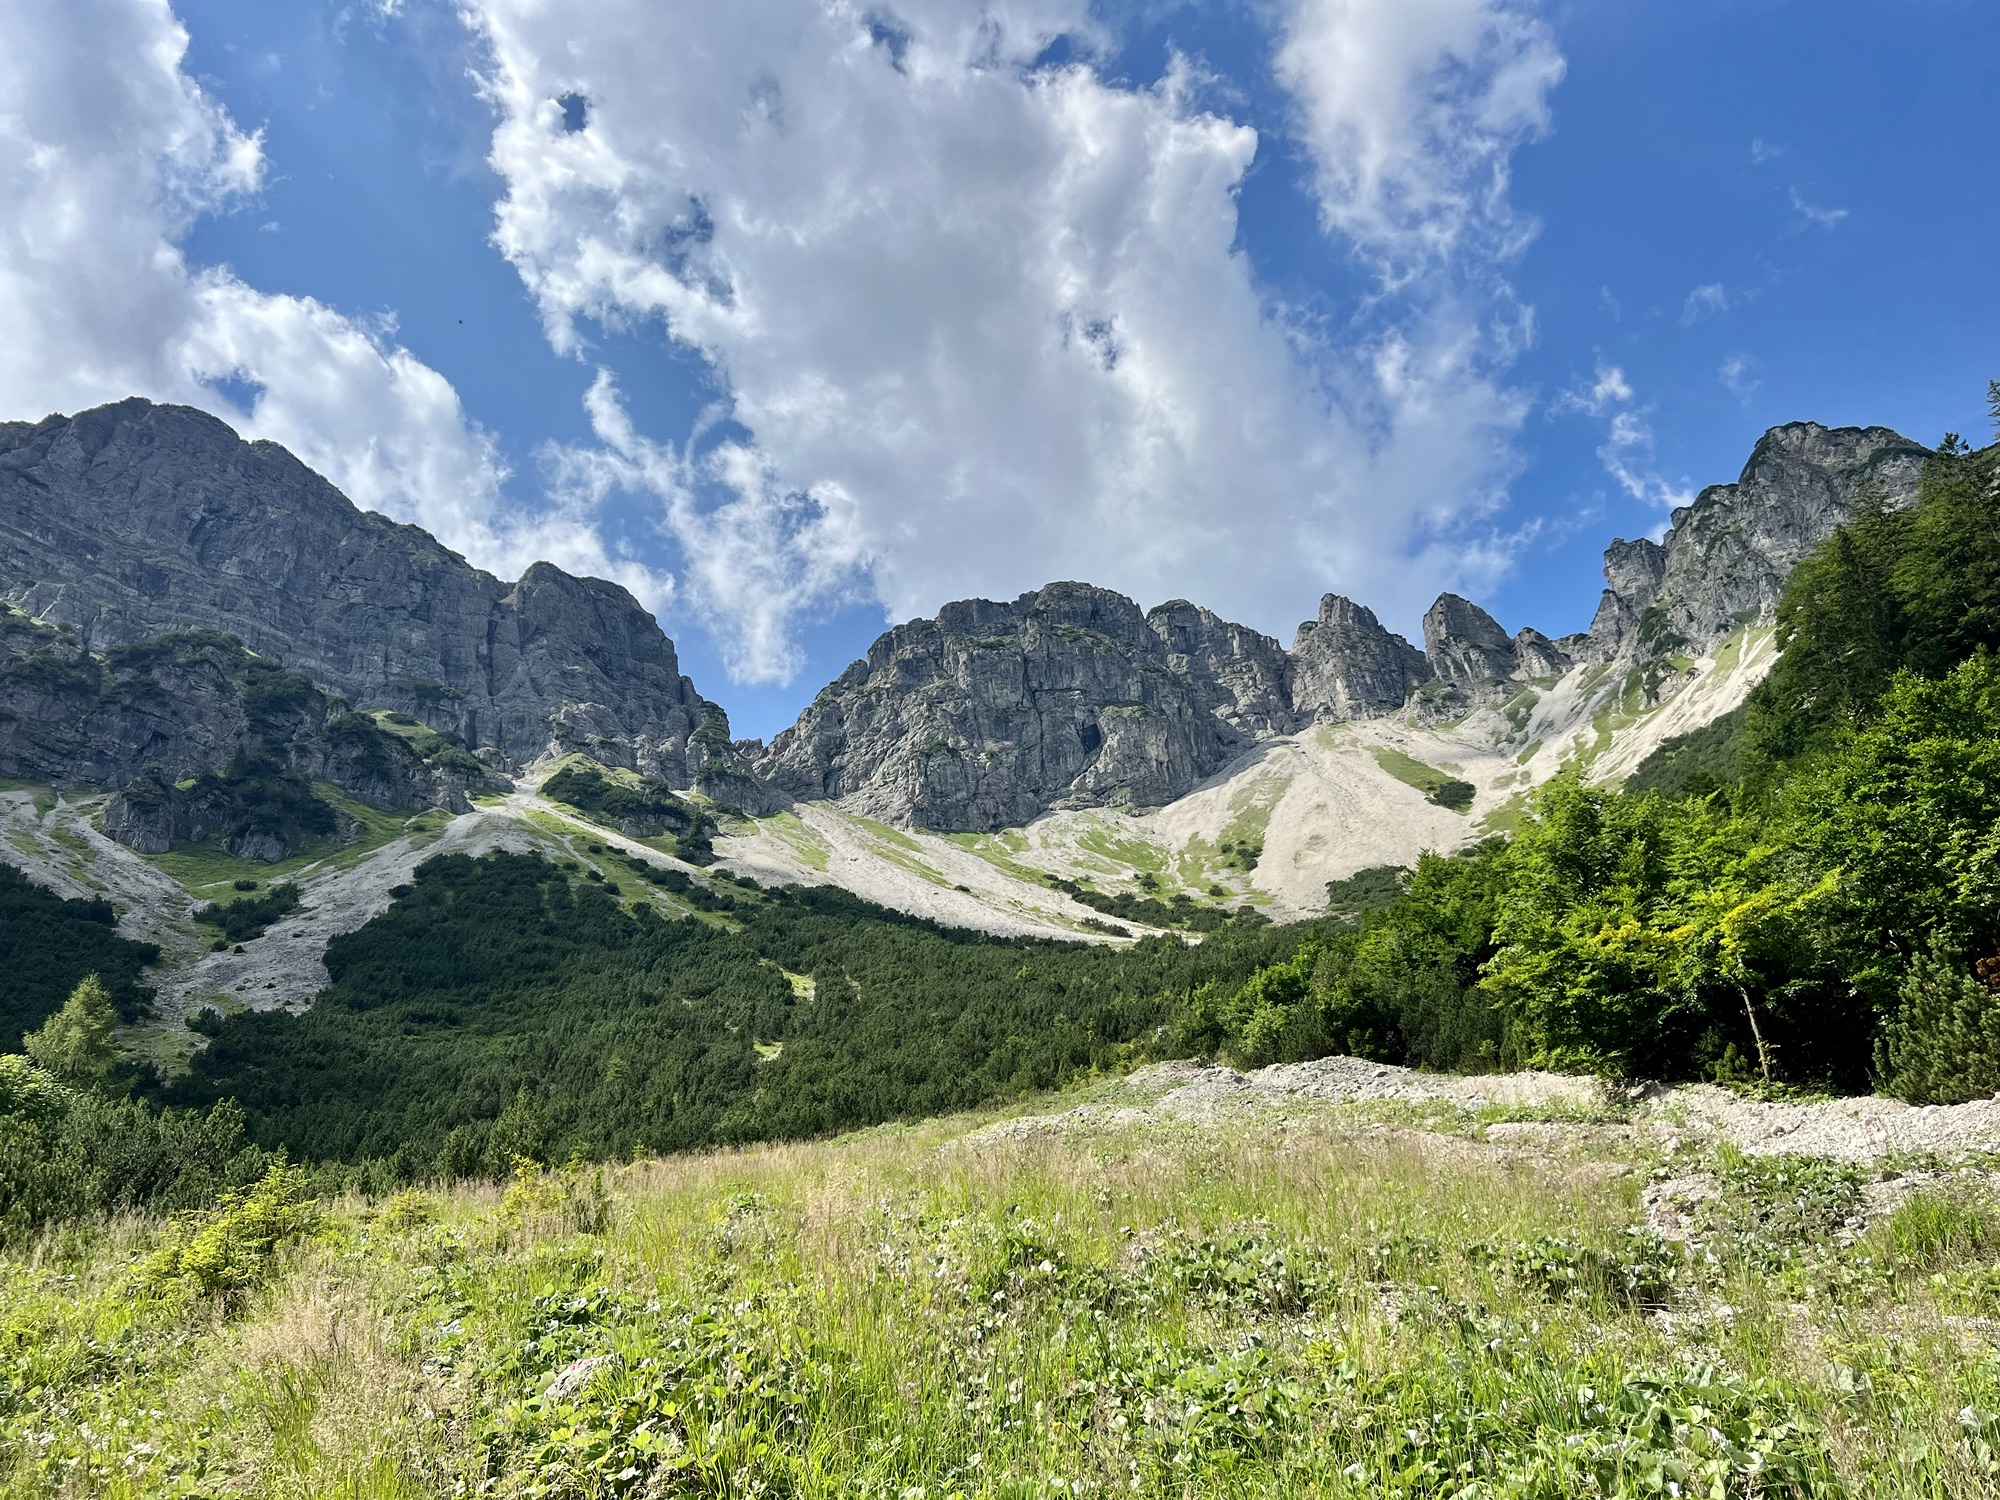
(1311, 1305)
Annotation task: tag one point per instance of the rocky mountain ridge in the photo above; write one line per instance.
(1070, 696)
(133, 519)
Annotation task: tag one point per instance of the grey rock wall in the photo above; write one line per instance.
(1725, 560)
(1066, 697)
(1345, 665)
(136, 518)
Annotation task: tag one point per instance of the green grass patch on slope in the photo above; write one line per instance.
(1438, 786)
(1320, 1311)
(211, 872)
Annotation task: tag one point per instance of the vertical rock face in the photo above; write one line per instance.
(1726, 559)
(1535, 655)
(1633, 572)
(1728, 555)
(1240, 676)
(1345, 665)
(1466, 647)
(134, 518)
(1066, 697)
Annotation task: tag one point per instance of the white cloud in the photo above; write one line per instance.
(978, 325)
(1762, 151)
(1627, 449)
(1608, 388)
(1738, 374)
(1812, 216)
(1412, 110)
(108, 154)
(1704, 301)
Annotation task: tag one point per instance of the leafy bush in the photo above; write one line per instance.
(1366, 890)
(70, 1153)
(233, 1248)
(1454, 794)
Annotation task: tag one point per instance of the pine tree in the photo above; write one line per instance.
(75, 1043)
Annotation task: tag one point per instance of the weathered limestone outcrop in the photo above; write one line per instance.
(203, 740)
(1345, 665)
(136, 518)
(1726, 558)
(1465, 646)
(1535, 655)
(1065, 697)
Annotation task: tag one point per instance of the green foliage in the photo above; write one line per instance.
(68, 1153)
(1180, 910)
(48, 945)
(1696, 763)
(1403, 988)
(1915, 590)
(1454, 794)
(644, 811)
(1581, 947)
(75, 1044)
(500, 1009)
(1942, 1043)
(1365, 890)
(233, 1248)
(1899, 829)
(245, 919)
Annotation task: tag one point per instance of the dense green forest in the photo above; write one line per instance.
(1807, 891)
(504, 1006)
(47, 945)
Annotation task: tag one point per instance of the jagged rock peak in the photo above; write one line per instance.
(1345, 665)
(1068, 696)
(1535, 655)
(1465, 645)
(1726, 558)
(135, 518)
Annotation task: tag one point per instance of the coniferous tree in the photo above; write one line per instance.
(75, 1043)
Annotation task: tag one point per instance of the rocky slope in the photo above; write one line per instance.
(135, 518)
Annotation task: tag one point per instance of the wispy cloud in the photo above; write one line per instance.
(1606, 389)
(1762, 151)
(1627, 449)
(1738, 376)
(1812, 216)
(1705, 301)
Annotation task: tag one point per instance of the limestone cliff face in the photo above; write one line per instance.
(189, 728)
(1065, 697)
(1465, 645)
(1345, 665)
(1726, 558)
(135, 518)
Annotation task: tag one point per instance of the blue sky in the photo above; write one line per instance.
(1335, 332)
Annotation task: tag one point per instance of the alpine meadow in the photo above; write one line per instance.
(937, 1025)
